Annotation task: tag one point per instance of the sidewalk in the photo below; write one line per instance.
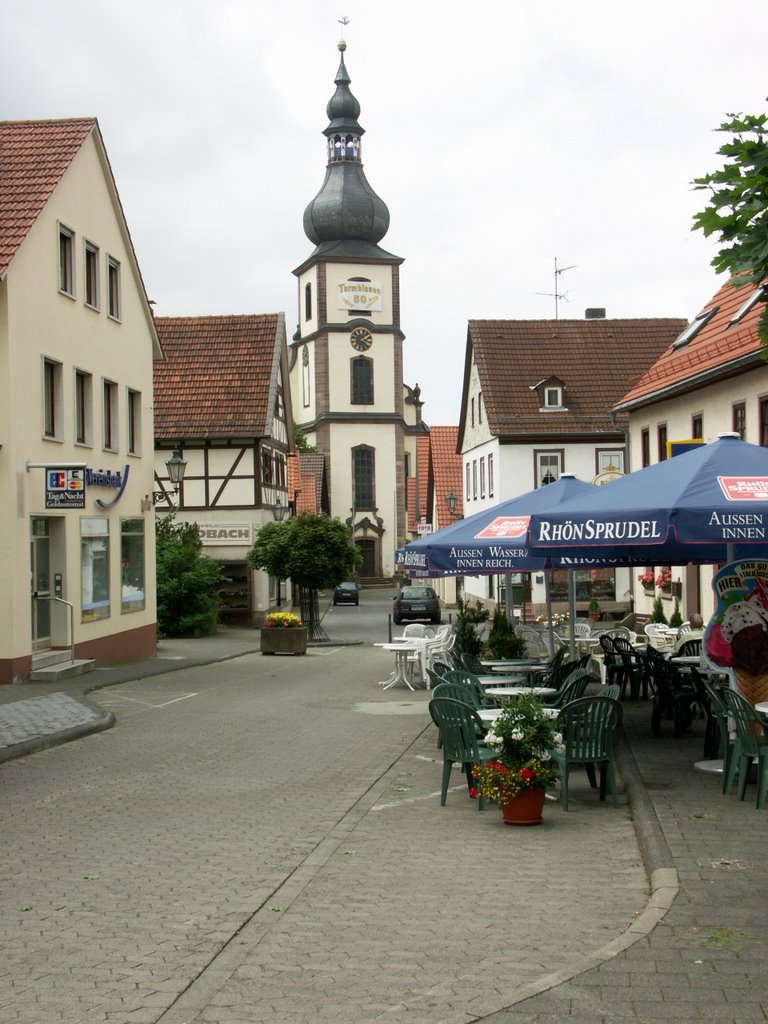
(696, 953)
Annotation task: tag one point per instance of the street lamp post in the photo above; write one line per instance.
(451, 501)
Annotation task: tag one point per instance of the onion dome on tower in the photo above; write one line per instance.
(346, 217)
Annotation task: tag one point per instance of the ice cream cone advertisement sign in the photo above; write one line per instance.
(736, 638)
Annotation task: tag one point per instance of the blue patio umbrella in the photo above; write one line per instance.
(494, 540)
(708, 505)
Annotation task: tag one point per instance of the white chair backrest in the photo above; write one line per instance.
(582, 629)
(414, 629)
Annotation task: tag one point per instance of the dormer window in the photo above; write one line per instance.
(553, 398)
(694, 327)
(551, 392)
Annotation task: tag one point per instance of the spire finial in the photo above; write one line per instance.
(343, 21)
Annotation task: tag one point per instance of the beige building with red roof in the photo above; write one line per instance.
(222, 401)
(77, 345)
(711, 378)
(538, 400)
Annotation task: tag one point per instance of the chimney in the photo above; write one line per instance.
(594, 313)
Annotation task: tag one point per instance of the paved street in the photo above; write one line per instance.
(260, 839)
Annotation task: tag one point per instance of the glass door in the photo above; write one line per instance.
(40, 577)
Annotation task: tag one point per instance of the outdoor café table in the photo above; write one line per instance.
(510, 665)
(400, 674)
(517, 691)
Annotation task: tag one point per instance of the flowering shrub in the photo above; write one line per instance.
(646, 578)
(664, 579)
(558, 619)
(523, 736)
(282, 620)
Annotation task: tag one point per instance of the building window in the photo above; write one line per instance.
(109, 413)
(610, 461)
(83, 407)
(697, 427)
(472, 411)
(764, 422)
(694, 327)
(661, 435)
(91, 275)
(361, 373)
(266, 466)
(474, 479)
(480, 407)
(739, 419)
(548, 467)
(757, 296)
(114, 301)
(467, 488)
(134, 422)
(305, 391)
(52, 424)
(94, 568)
(307, 301)
(363, 465)
(645, 447)
(66, 261)
(482, 478)
(490, 476)
(132, 597)
(553, 398)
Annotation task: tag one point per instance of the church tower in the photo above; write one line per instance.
(347, 353)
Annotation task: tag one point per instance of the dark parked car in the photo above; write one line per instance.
(346, 593)
(416, 603)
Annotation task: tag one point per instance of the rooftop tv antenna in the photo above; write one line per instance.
(557, 294)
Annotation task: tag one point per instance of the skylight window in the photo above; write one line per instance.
(694, 327)
(757, 296)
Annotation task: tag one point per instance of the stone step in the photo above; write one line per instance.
(62, 670)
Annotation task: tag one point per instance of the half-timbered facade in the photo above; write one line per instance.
(222, 401)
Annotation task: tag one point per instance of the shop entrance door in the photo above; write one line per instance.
(40, 577)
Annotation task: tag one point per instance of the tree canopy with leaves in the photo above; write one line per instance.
(188, 582)
(311, 550)
(738, 205)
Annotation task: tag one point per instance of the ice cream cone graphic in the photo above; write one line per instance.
(753, 687)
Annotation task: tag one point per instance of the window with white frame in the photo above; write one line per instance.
(66, 261)
(114, 299)
(490, 476)
(94, 568)
(134, 421)
(548, 467)
(553, 397)
(482, 477)
(83, 407)
(53, 426)
(109, 415)
(610, 460)
(91, 275)
(467, 487)
(474, 479)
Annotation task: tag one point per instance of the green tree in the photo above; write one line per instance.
(657, 615)
(301, 442)
(502, 640)
(468, 618)
(738, 205)
(188, 582)
(313, 551)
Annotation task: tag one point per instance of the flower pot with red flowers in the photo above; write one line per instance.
(648, 580)
(523, 735)
(283, 633)
(664, 580)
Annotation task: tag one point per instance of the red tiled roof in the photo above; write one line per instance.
(422, 458)
(595, 359)
(217, 377)
(33, 157)
(717, 345)
(446, 471)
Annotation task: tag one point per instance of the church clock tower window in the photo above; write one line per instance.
(362, 380)
(363, 463)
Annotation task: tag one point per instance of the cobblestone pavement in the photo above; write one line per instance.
(261, 840)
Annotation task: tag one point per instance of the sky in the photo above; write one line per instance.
(505, 137)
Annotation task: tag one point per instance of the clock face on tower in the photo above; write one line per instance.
(361, 339)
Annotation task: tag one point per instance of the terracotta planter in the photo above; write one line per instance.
(281, 640)
(525, 808)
